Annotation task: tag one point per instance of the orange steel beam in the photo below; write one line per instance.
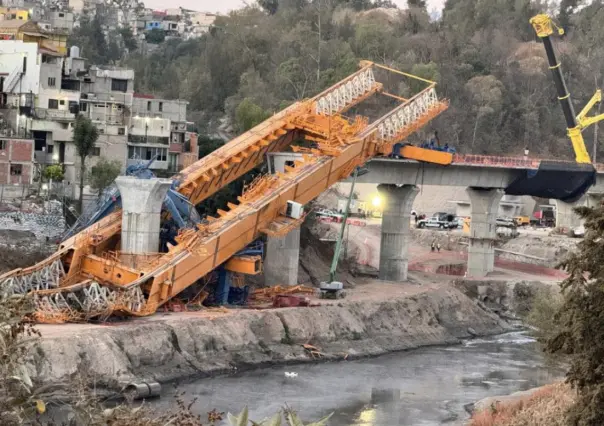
(242, 225)
(341, 145)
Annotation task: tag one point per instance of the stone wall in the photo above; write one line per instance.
(182, 346)
(43, 226)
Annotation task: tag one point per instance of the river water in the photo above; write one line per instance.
(427, 386)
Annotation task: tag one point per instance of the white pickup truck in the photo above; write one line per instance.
(436, 222)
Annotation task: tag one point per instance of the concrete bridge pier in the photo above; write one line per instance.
(566, 218)
(394, 246)
(483, 230)
(142, 201)
(282, 259)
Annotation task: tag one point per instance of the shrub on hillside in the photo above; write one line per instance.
(547, 406)
(542, 314)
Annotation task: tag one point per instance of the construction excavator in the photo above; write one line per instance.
(556, 179)
(90, 278)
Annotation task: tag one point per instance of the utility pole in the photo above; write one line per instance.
(595, 153)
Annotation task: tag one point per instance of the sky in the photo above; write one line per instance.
(224, 6)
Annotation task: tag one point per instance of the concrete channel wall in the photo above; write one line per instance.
(183, 346)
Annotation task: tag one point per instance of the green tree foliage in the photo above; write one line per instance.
(103, 173)
(85, 135)
(417, 3)
(208, 145)
(484, 55)
(270, 6)
(155, 36)
(248, 115)
(54, 173)
(581, 316)
(89, 37)
(128, 38)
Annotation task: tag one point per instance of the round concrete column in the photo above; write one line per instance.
(483, 230)
(396, 218)
(142, 201)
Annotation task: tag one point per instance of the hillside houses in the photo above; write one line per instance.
(43, 88)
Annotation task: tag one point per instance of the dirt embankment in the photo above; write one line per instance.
(179, 346)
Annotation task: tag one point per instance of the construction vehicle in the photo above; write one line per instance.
(429, 151)
(555, 179)
(522, 220)
(88, 278)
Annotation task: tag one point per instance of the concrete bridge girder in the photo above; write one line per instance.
(404, 172)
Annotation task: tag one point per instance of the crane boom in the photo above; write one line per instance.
(89, 277)
(544, 28)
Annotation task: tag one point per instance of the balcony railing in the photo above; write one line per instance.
(53, 114)
(148, 139)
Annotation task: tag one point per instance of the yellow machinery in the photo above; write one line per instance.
(88, 276)
(544, 27)
(560, 180)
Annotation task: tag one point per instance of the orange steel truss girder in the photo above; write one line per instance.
(200, 251)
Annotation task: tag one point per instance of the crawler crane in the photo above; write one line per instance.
(556, 179)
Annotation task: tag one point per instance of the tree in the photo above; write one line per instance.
(103, 173)
(90, 38)
(270, 6)
(417, 3)
(248, 115)
(85, 135)
(155, 36)
(128, 39)
(208, 145)
(582, 330)
(54, 172)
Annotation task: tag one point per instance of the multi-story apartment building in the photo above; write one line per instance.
(43, 89)
(159, 128)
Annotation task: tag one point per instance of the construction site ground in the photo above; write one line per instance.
(375, 318)
(428, 271)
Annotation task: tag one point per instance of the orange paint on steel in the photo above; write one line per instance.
(248, 265)
(341, 146)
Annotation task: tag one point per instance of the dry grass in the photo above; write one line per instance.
(547, 407)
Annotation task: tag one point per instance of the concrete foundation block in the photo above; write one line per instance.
(396, 223)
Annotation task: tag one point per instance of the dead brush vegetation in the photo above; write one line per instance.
(548, 406)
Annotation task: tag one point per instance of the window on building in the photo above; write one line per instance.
(101, 131)
(121, 130)
(118, 85)
(83, 107)
(52, 82)
(62, 102)
(2, 145)
(50, 149)
(53, 104)
(24, 64)
(161, 106)
(148, 105)
(61, 15)
(96, 151)
(147, 153)
(16, 169)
